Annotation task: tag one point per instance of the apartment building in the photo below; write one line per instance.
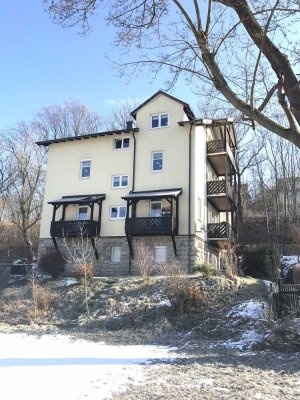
(167, 181)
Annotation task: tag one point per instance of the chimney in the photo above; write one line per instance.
(129, 125)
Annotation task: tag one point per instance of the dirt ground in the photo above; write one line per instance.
(130, 311)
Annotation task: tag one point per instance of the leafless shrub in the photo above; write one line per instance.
(184, 295)
(145, 260)
(44, 299)
(229, 254)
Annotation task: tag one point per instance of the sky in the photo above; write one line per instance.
(44, 64)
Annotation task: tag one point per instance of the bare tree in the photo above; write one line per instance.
(119, 116)
(70, 119)
(202, 40)
(26, 193)
(6, 173)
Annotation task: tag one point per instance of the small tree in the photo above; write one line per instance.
(80, 253)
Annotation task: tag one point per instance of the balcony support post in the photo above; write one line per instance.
(174, 244)
(92, 211)
(55, 208)
(129, 241)
(94, 247)
(63, 213)
(55, 243)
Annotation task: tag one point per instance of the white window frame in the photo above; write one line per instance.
(156, 257)
(120, 185)
(152, 161)
(122, 143)
(159, 120)
(81, 167)
(115, 254)
(155, 202)
(118, 213)
(87, 213)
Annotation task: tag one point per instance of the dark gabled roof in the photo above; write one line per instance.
(91, 135)
(186, 107)
(153, 194)
(78, 199)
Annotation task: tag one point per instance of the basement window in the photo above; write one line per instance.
(160, 254)
(115, 254)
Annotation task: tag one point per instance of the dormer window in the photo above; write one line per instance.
(159, 120)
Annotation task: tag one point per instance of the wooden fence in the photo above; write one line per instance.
(288, 297)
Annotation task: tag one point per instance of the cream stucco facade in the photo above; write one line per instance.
(177, 151)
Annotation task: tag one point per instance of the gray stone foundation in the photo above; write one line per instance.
(190, 253)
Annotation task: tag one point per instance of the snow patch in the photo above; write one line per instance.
(247, 340)
(251, 309)
(75, 369)
(67, 282)
(166, 303)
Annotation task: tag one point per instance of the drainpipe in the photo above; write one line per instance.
(133, 166)
(133, 185)
(190, 196)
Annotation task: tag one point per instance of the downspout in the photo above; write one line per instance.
(190, 196)
(133, 165)
(133, 185)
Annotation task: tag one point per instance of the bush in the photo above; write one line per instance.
(206, 269)
(184, 295)
(52, 263)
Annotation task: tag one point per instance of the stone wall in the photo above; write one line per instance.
(198, 252)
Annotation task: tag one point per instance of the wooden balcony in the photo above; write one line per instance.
(221, 195)
(219, 231)
(87, 228)
(150, 226)
(216, 152)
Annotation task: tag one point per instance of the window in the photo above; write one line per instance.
(157, 161)
(117, 212)
(115, 254)
(155, 209)
(82, 213)
(121, 143)
(85, 169)
(160, 254)
(119, 181)
(77, 254)
(159, 121)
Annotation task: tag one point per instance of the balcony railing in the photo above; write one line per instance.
(150, 226)
(220, 146)
(85, 228)
(220, 230)
(215, 188)
(216, 146)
